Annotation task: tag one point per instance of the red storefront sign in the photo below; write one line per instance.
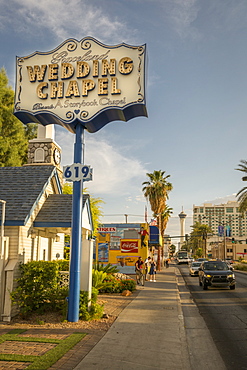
(129, 246)
(107, 229)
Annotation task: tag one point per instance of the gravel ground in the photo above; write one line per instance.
(113, 305)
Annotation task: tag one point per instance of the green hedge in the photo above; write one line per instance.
(38, 288)
(240, 266)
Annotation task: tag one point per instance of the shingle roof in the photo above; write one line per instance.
(21, 188)
(57, 211)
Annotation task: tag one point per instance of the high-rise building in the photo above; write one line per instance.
(223, 219)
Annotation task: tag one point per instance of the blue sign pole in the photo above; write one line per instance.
(75, 250)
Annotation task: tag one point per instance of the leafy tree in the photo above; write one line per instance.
(14, 135)
(172, 249)
(156, 191)
(95, 204)
(198, 237)
(242, 194)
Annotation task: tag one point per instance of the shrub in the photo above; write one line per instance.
(110, 285)
(240, 266)
(98, 278)
(127, 284)
(96, 310)
(38, 288)
(63, 265)
(109, 268)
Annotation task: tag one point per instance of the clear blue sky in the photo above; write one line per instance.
(196, 95)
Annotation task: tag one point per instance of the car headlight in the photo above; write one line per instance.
(231, 276)
(208, 276)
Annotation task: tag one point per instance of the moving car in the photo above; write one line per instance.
(217, 274)
(194, 268)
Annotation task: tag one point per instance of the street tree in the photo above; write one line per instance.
(163, 219)
(198, 237)
(156, 191)
(242, 194)
(172, 249)
(14, 135)
(95, 204)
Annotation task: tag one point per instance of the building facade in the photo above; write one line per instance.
(36, 215)
(222, 217)
(229, 229)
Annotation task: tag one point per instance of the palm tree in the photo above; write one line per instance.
(156, 192)
(163, 219)
(242, 194)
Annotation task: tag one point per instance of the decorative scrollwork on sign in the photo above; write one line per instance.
(72, 45)
(20, 60)
(84, 114)
(17, 107)
(141, 98)
(70, 115)
(141, 50)
(85, 45)
(19, 94)
(140, 64)
(139, 84)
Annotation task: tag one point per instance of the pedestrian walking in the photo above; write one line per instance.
(147, 267)
(138, 270)
(152, 271)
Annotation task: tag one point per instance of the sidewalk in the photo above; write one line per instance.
(148, 334)
(158, 327)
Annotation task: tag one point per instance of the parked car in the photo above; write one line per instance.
(194, 268)
(216, 273)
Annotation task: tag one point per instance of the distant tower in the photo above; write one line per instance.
(182, 217)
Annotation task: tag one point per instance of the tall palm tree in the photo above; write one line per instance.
(242, 194)
(162, 223)
(156, 191)
(163, 219)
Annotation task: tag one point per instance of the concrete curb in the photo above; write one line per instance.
(203, 353)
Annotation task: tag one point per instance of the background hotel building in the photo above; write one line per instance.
(230, 242)
(226, 215)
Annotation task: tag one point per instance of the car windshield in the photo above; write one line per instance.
(196, 264)
(214, 266)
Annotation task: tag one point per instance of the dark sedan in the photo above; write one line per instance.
(216, 273)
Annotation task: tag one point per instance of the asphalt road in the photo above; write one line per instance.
(225, 314)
